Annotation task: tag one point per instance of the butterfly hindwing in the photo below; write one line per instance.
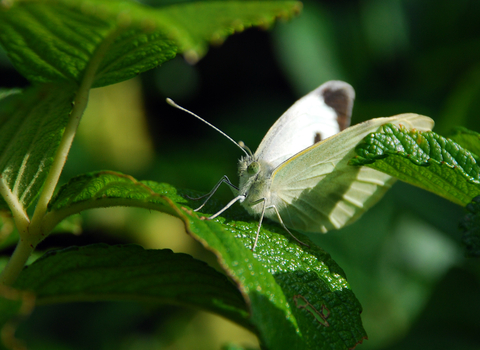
(316, 190)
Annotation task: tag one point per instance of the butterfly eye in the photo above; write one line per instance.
(253, 168)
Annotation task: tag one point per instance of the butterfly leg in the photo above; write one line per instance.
(262, 215)
(240, 198)
(259, 222)
(285, 227)
(209, 195)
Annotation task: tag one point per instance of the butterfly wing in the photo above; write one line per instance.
(318, 115)
(316, 190)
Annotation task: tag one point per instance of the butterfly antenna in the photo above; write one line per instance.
(173, 104)
(245, 147)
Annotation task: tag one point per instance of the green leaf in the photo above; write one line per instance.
(31, 126)
(468, 139)
(129, 272)
(423, 159)
(6, 96)
(471, 229)
(133, 52)
(57, 41)
(199, 22)
(270, 279)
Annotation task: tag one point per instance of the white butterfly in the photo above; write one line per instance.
(299, 176)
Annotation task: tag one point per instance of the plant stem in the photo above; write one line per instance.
(22, 221)
(32, 234)
(80, 103)
(16, 263)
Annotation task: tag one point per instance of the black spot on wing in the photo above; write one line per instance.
(317, 138)
(339, 96)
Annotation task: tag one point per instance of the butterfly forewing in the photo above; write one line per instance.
(316, 190)
(322, 113)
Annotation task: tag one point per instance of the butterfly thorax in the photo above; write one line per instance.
(255, 180)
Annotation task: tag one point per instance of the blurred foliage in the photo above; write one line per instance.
(403, 259)
(471, 236)
(115, 119)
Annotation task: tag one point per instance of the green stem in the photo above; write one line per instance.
(80, 103)
(24, 247)
(22, 221)
(32, 235)
(16, 263)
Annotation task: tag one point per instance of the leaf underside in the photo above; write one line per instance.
(31, 127)
(56, 41)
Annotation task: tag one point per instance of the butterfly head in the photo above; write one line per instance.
(253, 168)
(254, 174)
(248, 166)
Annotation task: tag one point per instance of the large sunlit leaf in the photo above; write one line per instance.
(52, 41)
(272, 279)
(423, 159)
(31, 126)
